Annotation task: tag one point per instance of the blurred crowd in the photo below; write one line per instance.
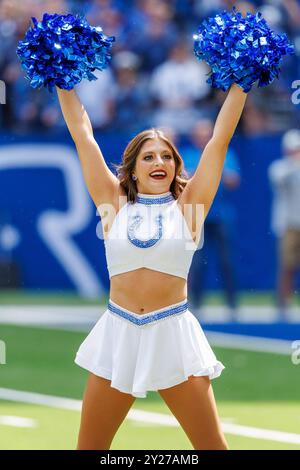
(154, 78)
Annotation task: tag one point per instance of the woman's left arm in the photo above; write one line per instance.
(202, 187)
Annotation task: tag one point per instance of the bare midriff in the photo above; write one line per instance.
(144, 290)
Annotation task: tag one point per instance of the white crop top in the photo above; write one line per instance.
(150, 233)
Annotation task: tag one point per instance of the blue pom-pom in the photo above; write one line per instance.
(240, 50)
(61, 50)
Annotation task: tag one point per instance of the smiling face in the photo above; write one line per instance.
(155, 157)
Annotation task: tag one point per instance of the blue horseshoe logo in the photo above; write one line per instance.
(137, 220)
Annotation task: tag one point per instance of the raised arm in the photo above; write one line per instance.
(102, 184)
(202, 187)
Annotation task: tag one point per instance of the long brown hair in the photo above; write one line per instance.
(125, 169)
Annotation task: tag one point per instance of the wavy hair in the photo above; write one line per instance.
(125, 169)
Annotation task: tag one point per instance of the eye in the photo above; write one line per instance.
(147, 157)
(168, 157)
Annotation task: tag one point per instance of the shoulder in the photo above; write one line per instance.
(114, 203)
(121, 198)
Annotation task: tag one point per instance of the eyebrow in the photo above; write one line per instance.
(164, 151)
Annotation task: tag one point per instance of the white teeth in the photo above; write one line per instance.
(158, 173)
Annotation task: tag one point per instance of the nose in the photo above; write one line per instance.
(159, 160)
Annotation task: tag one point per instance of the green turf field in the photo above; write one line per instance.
(259, 390)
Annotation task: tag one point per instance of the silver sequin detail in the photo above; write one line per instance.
(158, 200)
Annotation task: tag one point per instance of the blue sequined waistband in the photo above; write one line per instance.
(150, 317)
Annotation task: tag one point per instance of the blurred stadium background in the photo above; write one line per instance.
(53, 276)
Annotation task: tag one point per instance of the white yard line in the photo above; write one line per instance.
(250, 343)
(86, 316)
(17, 422)
(159, 419)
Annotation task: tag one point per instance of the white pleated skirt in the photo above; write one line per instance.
(149, 352)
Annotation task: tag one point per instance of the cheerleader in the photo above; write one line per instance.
(147, 338)
(152, 219)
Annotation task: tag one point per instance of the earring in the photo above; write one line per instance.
(134, 177)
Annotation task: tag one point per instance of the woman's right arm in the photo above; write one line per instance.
(102, 184)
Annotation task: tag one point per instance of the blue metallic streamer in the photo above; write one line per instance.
(240, 50)
(61, 50)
